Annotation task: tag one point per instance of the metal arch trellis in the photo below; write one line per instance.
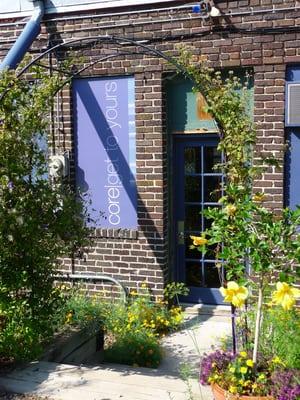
(110, 39)
(121, 41)
(145, 49)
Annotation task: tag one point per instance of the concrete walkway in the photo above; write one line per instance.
(116, 382)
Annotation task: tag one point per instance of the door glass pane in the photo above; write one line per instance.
(192, 218)
(212, 277)
(191, 253)
(212, 188)
(192, 189)
(192, 160)
(211, 157)
(211, 252)
(193, 274)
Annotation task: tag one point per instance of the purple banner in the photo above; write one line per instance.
(104, 115)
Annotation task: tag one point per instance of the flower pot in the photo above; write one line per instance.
(221, 394)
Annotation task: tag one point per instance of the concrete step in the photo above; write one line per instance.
(206, 309)
(119, 382)
(115, 382)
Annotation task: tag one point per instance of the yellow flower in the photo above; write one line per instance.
(259, 197)
(232, 370)
(244, 370)
(249, 363)
(277, 360)
(198, 240)
(230, 210)
(285, 295)
(234, 293)
(232, 389)
(243, 354)
(254, 386)
(69, 317)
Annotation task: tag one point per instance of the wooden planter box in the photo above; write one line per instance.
(76, 346)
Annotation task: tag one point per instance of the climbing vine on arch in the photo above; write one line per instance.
(257, 246)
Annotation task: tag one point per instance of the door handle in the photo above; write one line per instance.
(180, 232)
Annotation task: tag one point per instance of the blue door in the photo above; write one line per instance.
(197, 186)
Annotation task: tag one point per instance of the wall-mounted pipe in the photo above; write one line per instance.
(24, 41)
(95, 278)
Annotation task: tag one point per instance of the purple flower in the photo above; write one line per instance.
(286, 384)
(10, 185)
(216, 361)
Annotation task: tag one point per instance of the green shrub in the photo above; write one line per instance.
(280, 336)
(133, 328)
(173, 290)
(82, 310)
(136, 349)
(142, 314)
(40, 222)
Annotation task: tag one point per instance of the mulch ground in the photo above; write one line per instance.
(7, 365)
(11, 396)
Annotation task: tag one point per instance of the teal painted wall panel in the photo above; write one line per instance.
(182, 105)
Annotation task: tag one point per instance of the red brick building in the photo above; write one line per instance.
(135, 138)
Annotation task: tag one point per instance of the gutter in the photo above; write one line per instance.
(26, 38)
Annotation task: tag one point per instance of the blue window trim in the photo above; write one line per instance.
(292, 156)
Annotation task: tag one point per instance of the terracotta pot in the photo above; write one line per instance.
(221, 394)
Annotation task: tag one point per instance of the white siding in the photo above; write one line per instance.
(12, 8)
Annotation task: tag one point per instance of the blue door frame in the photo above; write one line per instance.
(194, 183)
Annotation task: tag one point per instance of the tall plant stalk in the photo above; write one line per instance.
(258, 324)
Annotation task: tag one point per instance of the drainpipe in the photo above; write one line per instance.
(24, 41)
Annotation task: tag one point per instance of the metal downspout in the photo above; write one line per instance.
(24, 41)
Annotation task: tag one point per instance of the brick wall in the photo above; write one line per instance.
(249, 35)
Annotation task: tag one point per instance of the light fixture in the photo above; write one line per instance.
(206, 8)
(215, 12)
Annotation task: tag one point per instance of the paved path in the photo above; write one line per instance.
(116, 382)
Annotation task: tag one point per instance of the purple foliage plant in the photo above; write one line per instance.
(286, 384)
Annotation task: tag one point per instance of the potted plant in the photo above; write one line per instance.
(232, 376)
(255, 248)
